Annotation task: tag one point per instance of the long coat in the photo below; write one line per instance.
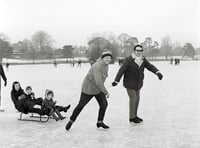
(2, 74)
(23, 104)
(93, 83)
(134, 74)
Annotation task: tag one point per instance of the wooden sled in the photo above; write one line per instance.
(35, 118)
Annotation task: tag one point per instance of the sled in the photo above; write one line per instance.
(35, 118)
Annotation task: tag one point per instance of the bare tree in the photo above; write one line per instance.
(5, 47)
(42, 42)
(123, 37)
(166, 47)
(189, 50)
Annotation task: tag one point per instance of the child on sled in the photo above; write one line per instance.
(54, 110)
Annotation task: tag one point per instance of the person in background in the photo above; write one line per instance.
(79, 63)
(133, 72)
(2, 74)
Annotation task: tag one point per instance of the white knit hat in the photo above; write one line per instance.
(106, 53)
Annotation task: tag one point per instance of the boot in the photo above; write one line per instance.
(134, 120)
(54, 116)
(66, 108)
(101, 124)
(59, 115)
(140, 119)
(69, 124)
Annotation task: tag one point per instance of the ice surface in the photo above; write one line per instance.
(170, 108)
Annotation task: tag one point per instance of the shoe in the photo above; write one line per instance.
(55, 117)
(104, 126)
(69, 124)
(135, 120)
(66, 108)
(140, 119)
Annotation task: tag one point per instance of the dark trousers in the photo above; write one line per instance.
(84, 99)
(134, 99)
(38, 101)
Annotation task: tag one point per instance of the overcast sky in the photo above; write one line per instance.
(73, 21)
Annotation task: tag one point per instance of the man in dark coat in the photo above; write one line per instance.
(133, 71)
(2, 74)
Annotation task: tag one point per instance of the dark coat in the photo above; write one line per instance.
(15, 97)
(24, 104)
(50, 104)
(133, 74)
(2, 74)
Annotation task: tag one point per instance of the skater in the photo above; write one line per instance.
(171, 61)
(79, 63)
(22, 103)
(55, 63)
(133, 71)
(73, 63)
(54, 110)
(7, 66)
(2, 74)
(93, 86)
(178, 61)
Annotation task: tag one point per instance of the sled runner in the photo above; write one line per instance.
(35, 118)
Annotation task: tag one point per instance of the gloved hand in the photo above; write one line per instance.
(108, 95)
(5, 83)
(160, 76)
(114, 83)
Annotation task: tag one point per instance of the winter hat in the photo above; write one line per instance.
(106, 53)
(138, 46)
(47, 92)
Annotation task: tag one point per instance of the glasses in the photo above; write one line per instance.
(139, 50)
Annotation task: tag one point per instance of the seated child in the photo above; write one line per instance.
(31, 96)
(54, 110)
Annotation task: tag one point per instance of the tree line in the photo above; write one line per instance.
(40, 46)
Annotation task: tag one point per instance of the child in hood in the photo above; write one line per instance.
(50, 104)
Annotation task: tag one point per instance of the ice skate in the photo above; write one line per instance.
(102, 125)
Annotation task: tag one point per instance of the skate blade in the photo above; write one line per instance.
(102, 129)
(136, 124)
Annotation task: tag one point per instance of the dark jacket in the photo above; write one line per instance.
(30, 96)
(50, 104)
(2, 74)
(15, 97)
(133, 74)
(24, 104)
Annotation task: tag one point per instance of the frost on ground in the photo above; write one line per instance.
(170, 108)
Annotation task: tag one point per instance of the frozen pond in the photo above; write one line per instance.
(170, 108)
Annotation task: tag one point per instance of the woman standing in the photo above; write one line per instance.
(93, 86)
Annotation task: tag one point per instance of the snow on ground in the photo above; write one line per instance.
(170, 108)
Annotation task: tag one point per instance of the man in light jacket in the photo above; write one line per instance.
(93, 86)
(133, 71)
